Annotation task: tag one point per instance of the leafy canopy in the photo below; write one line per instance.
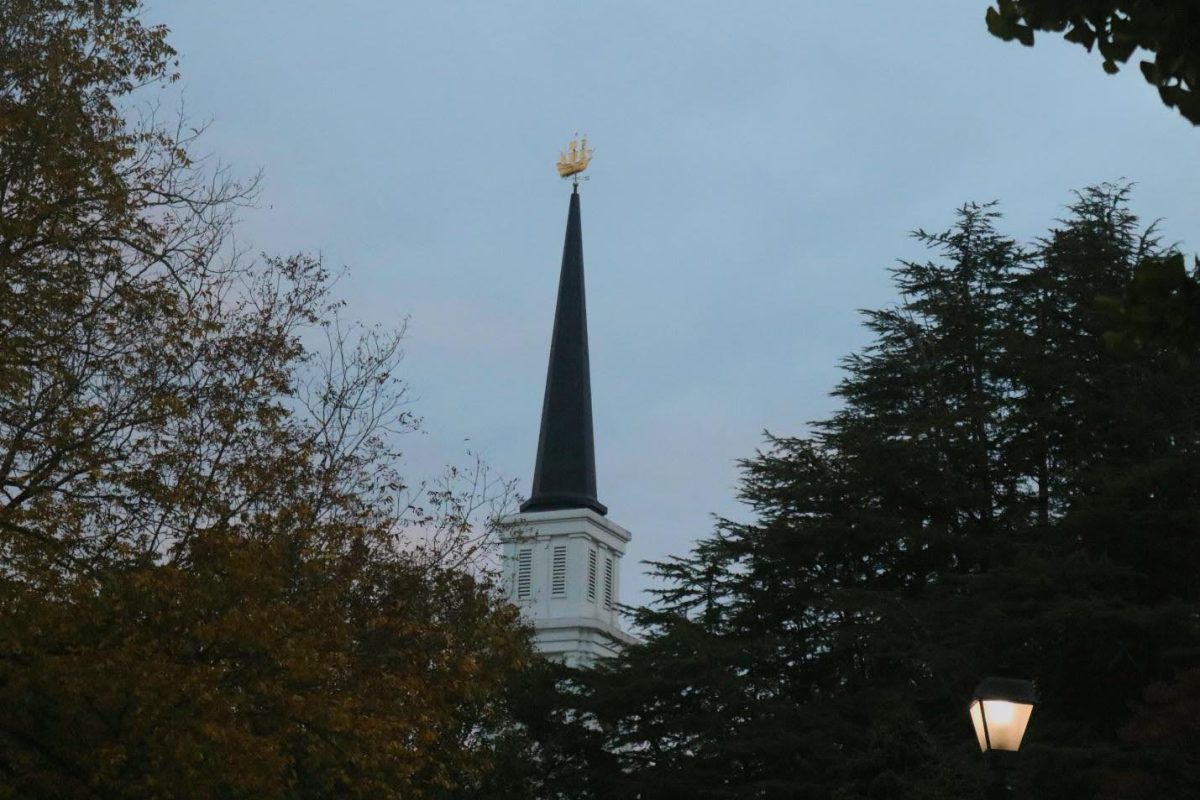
(213, 581)
(1169, 29)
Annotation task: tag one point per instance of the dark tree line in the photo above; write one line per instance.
(1002, 492)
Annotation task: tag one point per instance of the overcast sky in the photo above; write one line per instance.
(758, 166)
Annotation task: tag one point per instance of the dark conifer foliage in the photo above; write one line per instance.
(1000, 493)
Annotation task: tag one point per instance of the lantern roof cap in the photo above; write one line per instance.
(1012, 690)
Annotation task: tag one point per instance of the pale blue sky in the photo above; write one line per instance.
(758, 166)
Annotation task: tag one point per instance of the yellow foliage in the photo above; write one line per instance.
(201, 591)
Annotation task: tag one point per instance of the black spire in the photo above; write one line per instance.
(565, 474)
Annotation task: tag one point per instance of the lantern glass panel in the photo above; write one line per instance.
(1006, 722)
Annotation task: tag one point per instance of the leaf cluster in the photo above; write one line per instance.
(1169, 29)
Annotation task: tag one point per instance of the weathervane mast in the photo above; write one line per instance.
(574, 160)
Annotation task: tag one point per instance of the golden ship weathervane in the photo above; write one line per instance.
(574, 159)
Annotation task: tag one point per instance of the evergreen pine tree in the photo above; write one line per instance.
(1000, 493)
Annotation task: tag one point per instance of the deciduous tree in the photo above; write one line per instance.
(213, 580)
(1168, 29)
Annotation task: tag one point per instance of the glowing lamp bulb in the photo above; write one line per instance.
(1000, 712)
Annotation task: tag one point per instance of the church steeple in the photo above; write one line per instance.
(562, 555)
(564, 476)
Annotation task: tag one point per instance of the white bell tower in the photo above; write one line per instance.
(562, 555)
(563, 569)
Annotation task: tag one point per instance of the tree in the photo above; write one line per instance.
(1160, 306)
(1161, 757)
(213, 581)
(1170, 29)
(1000, 493)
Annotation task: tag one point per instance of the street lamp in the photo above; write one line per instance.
(1000, 710)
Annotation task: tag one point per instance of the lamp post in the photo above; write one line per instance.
(1000, 710)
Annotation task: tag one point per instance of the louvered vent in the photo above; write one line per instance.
(592, 570)
(524, 573)
(558, 571)
(608, 582)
